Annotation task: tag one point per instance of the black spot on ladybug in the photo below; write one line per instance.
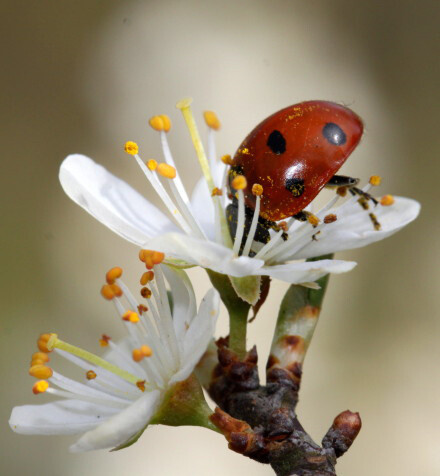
(276, 142)
(295, 186)
(334, 134)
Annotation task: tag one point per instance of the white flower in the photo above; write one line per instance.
(198, 234)
(122, 391)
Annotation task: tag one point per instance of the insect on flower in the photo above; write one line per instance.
(250, 215)
(287, 159)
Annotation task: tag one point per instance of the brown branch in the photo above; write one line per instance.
(260, 422)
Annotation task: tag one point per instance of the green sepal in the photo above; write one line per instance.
(247, 288)
(184, 405)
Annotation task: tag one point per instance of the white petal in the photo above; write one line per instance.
(205, 254)
(202, 206)
(184, 299)
(354, 228)
(111, 201)
(63, 417)
(119, 428)
(307, 271)
(198, 335)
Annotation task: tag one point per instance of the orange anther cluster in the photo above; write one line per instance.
(141, 309)
(40, 371)
(387, 200)
(40, 387)
(151, 258)
(239, 182)
(146, 351)
(257, 189)
(137, 355)
(147, 277)
(113, 274)
(141, 353)
(131, 148)
(211, 120)
(42, 343)
(141, 385)
(330, 218)
(109, 291)
(160, 123)
(166, 170)
(130, 316)
(39, 358)
(146, 293)
(216, 192)
(91, 375)
(227, 159)
(375, 180)
(104, 340)
(152, 164)
(313, 219)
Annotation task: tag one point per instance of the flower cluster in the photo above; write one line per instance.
(121, 392)
(129, 388)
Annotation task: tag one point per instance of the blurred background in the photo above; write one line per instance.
(85, 76)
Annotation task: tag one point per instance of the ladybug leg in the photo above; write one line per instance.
(364, 197)
(342, 181)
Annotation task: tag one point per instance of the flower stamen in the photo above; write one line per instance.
(54, 342)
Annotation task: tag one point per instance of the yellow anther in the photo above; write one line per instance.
(216, 192)
(257, 189)
(166, 122)
(91, 375)
(131, 148)
(146, 293)
(131, 316)
(157, 123)
(375, 180)
(42, 342)
(141, 385)
(313, 219)
(387, 200)
(40, 387)
(239, 182)
(117, 291)
(109, 291)
(146, 351)
(330, 218)
(152, 164)
(40, 356)
(151, 258)
(227, 159)
(137, 355)
(166, 170)
(40, 371)
(211, 120)
(147, 277)
(104, 340)
(113, 274)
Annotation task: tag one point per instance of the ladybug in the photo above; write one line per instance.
(293, 154)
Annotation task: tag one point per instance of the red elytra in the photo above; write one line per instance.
(294, 153)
